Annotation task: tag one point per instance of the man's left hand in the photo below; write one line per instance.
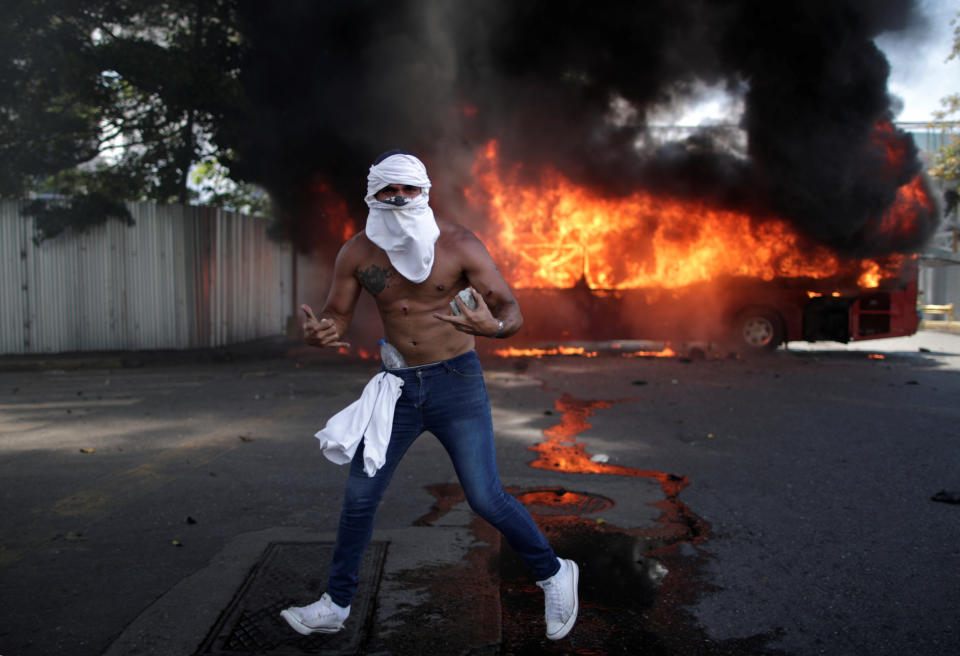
(473, 322)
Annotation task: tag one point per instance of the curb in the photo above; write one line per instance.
(270, 348)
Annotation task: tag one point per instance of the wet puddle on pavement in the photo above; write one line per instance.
(635, 582)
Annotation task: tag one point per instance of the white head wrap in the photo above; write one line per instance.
(408, 233)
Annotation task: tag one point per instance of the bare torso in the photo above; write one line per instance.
(416, 317)
(406, 308)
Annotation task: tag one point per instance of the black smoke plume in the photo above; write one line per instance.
(332, 84)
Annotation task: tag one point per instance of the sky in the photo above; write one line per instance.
(920, 74)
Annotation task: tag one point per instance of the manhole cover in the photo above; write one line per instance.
(557, 501)
(293, 574)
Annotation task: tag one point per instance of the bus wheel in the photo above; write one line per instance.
(759, 329)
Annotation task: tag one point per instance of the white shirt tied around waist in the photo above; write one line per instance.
(368, 419)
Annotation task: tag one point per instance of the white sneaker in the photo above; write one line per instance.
(561, 599)
(321, 616)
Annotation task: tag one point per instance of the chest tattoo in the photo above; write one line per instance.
(374, 279)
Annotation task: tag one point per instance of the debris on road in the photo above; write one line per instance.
(946, 496)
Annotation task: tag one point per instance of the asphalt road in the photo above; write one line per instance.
(785, 501)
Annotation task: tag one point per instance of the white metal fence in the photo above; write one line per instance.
(180, 277)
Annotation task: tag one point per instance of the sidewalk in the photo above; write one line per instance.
(233, 604)
(266, 348)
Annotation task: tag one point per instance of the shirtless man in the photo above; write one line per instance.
(413, 265)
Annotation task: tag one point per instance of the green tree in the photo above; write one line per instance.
(103, 101)
(214, 186)
(51, 97)
(947, 163)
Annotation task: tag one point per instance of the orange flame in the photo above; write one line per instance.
(561, 453)
(538, 353)
(912, 201)
(833, 294)
(872, 276)
(363, 354)
(667, 352)
(555, 234)
(513, 352)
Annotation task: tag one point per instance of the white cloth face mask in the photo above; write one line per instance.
(406, 230)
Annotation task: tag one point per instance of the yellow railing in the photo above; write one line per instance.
(945, 310)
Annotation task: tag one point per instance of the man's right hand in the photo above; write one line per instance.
(320, 332)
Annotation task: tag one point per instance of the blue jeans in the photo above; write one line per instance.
(450, 400)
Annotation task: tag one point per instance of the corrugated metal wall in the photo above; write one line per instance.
(940, 285)
(180, 277)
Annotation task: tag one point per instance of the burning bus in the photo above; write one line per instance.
(747, 313)
(644, 266)
(684, 167)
